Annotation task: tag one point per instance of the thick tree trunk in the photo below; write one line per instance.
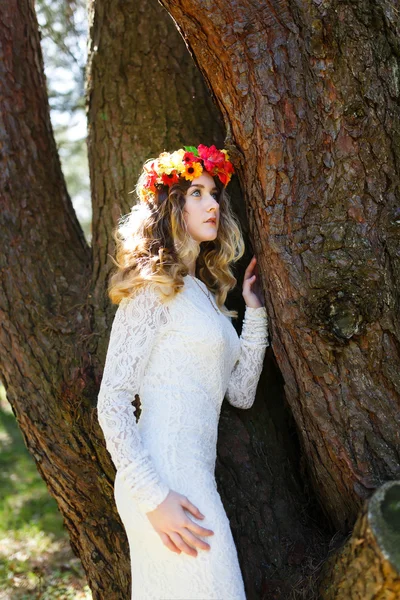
(368, 566)
(310, 95)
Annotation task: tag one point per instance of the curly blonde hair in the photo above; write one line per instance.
(153, 246)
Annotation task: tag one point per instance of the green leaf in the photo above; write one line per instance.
(191, 149)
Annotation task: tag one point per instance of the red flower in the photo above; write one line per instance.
(225, 174)
(151, 178)
(170, 178)
(213, 159)
(189, 157)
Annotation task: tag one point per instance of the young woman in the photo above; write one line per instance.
(172, 343)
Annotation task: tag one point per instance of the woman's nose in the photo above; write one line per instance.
(213, 202)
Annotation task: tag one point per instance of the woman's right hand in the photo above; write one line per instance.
(174, 526)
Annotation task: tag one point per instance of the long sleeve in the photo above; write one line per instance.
(245, 375)
(134, 329)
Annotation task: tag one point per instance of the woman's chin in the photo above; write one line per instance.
(210, 237)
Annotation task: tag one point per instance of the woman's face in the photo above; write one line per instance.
(201, 204)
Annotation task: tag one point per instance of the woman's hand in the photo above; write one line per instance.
(174, 526)
(252, 293)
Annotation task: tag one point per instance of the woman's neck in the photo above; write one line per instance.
(192, 269)
(191, 263)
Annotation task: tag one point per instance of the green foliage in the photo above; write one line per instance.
(192, 149)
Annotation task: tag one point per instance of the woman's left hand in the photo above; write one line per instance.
(252, 293)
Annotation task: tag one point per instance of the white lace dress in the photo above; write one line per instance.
(182, 358)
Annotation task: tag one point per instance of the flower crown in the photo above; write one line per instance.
(188, 162)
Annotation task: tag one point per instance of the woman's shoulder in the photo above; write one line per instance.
(148, 301)
(146, 292)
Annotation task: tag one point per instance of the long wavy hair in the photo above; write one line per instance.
(154, 246)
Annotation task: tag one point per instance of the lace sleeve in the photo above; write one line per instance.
(246, 372)
(134, 329)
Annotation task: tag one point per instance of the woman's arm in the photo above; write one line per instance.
(133, 333)
(254, 340)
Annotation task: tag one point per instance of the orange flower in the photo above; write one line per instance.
(192, 170)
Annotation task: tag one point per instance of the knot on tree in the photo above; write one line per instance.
(344, 317)
(338, 313)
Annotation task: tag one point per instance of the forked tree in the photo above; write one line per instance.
(305, 96)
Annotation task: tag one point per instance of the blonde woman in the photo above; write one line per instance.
(172, 343)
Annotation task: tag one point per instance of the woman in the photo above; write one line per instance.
(173, 343)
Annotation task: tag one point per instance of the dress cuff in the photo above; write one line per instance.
(256, 313)
(150, 503)
(255, 325)
(148, 490)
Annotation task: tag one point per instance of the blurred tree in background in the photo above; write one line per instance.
(63, 28)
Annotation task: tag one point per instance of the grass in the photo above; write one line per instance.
(36, 560)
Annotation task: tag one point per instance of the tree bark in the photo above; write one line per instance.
(368, 566)
(309, 92)
(47, 347)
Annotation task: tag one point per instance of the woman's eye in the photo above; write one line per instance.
(214, 194)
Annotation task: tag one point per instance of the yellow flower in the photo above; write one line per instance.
(167, 162)
(226, 154)
(192, 171)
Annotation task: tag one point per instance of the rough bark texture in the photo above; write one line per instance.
(54, 329)
(368, 566)
(310, 96)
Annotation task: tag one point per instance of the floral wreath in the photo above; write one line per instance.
(188, 162)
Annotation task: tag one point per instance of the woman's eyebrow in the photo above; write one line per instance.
(215, 189)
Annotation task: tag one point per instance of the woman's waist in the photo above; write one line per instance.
(183, 452)
(174, 413)
(184, 387)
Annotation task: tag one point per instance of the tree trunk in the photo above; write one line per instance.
(368, 566)
(47, 348)
(310, 96)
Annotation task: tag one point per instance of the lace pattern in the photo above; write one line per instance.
(138, 327)
(133, 334)
(254, 341)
